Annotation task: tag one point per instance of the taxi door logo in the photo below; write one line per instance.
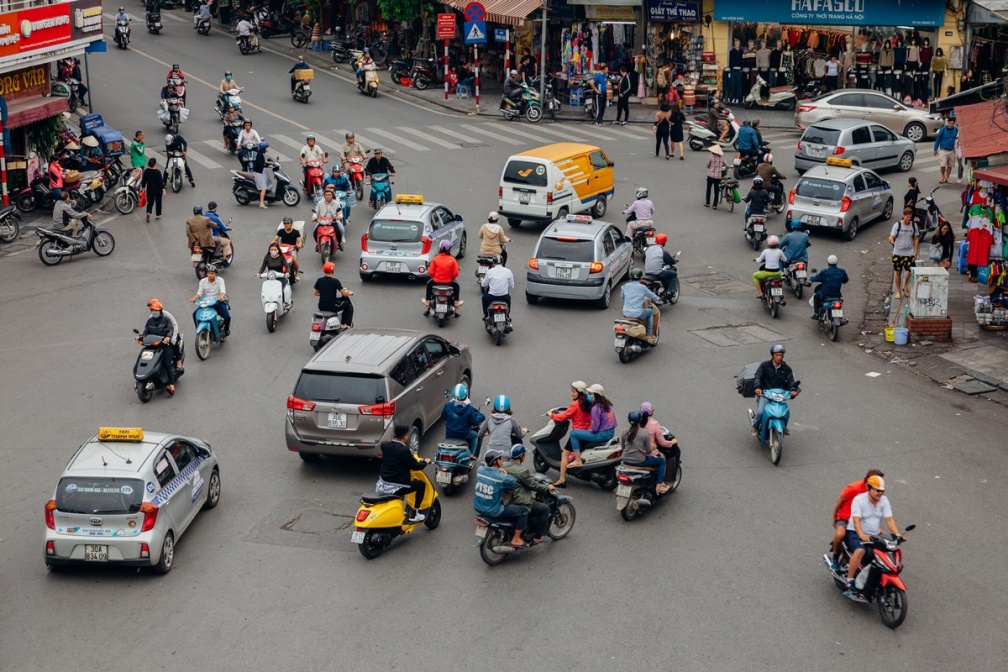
(197, 485)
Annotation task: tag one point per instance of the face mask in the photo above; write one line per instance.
(155, 313)
(274, 253)
(228, 78)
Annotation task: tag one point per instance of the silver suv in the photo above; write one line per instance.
(353, 390)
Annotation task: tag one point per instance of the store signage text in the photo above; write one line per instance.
(24, 83)
(41, 28)
(673, 10)
(833, 12)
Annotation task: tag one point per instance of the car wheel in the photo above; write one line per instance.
(413, 442)
(308, 457)
(531, 298)
(514, 222)
(462, 247)
(603, 303)
(213, 490)
(906, 161)
(164, 564)
(915, 131)
(887, 213)
(599, 209)
(851, 231)
(366, 277)
(563, 213)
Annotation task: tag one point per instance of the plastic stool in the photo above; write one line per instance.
(462, 91)
(575, 98)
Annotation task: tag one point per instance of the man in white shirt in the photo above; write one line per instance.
(499, 281)
(213, 286)
(868, 510)
(248, 134)
(310, 152)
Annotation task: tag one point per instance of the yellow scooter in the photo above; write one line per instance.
(381, 518)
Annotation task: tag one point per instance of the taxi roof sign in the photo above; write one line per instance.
(843, 163)
(580, 219)
(120, 434)
(409, 198)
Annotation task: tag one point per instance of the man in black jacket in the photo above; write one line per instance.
(623, 98)
(773, 374)
(394, 478)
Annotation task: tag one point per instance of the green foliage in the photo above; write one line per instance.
(402, 10)
(43, 135)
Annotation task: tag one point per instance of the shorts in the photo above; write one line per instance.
(839, 521)
(262, 181)
(902, 263)
(853, 541)
(946, 158)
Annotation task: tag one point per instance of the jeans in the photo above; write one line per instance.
(714, 182)
(760, 405)
(517, 514)
(579, 435)
(344, 306)
(539, 519)
(661, 138)
(472, 437)
(490, 298)
(454, 286)
(667, 277)
(648, 317)
(658, 463)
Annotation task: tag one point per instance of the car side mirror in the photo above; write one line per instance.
(458, 218)
(627, 239)
(612, 164)
(454, 351)
(897, 108)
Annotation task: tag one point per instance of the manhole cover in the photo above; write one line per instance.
(715, 282)
(738, 334)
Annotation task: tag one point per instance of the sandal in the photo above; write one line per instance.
(560, 484)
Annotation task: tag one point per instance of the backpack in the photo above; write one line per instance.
(662, 78)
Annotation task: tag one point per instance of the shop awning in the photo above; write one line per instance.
(983, 129)
(998, 175)
(622, 3)
(24, 112)
(977, 94)
(510, 12)
(998, 8)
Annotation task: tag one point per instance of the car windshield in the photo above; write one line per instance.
(566, 250)
(343, 388)
(821, 136)
(525, 172)
(395, 231)
(821, 189)
(93, 495)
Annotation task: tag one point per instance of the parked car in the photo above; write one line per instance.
(405, 235)
(914, 123)
(840, 196)
(865, 143)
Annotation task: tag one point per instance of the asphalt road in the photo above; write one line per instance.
(726, 575)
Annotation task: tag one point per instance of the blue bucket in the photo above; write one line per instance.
(900, 335)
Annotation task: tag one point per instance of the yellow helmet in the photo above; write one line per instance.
(876, 482)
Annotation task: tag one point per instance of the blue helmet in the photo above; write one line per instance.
(501, 404)
(460, 392)
(517, 450)
(795, 224)
(263, 145)
(634, 417)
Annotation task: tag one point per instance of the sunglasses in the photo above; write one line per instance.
(881, 492)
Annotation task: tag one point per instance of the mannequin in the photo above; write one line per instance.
(787, 65)
(938, 65)
(899, 65)
(748, 67)
(847, 61)
(735, 65)
(776, 76)
(924, 74)
(912, 66)
(763, 66)
(885, 64)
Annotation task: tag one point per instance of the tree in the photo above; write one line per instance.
(401, 10)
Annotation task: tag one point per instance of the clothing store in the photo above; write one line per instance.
(675, 35)
(604, 31)
(987, 57)
(823, 45)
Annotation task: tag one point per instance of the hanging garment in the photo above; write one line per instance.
(979, 240)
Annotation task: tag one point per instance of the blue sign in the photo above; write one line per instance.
(921, 13)
(99, 47)
(673, 10)
(475, 32)
(500, 35)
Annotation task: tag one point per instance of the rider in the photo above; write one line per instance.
(758, 199)
(162, 323)
(310, 152)
(499, 281)
(204, 12)
(176, 73)
(66, 219)
(795, 244)
(333, 296)
(488, 495)
(286, 234)
(300, 65)
(513, 88)
(229, 118)
(176, 143)
(638, 450)
(199, 231)
(443, 270)
(337, 179)
(395, 477)
(771, 260)
(492, 239)
(226, 85)
(247, 30)
(767, 172)
(772, 374)
(329, 207)
(501, 427)
(603, 423)
(350, 148)
(659, 263)
(633, 294)
(831, 279)
(248, 135)
(121, 15)
(658, 439)
(643, 209)
(217, 227)
(748, 141)
(274, 261)
(842, 513)
(460, 417)
(868, 510)
(378, 163)
(213, 286)
(524, 492)
(717, 121)
(579, 414)
(365, 62)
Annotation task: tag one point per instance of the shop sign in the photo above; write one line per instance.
(446, 26)
(610, 13)
(39, 28)
(24, 83)
(673, 10)
(834, 12)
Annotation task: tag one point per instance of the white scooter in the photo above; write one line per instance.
(781, 97)
(701, 137)
(276, 298)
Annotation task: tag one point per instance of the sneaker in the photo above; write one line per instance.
(834, 565)
(752, 416)
(417, 517)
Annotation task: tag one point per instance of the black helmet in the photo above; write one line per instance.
(227, 73)
(288, 220)
(517, 450)
(492, 456)
(636, 274)
(197, 210)
(634, 417)
(212, 205)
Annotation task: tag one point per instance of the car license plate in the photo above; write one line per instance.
(776, 291)
(813, 221)
(500, 317)
(337, 420)
(836, 312)
(443, 477)
(196, 256)
(563, 273)
(758, 228)
(393, 267)
(314, 337)
(800, 274)
(524, 197)
(620, 342)
(481, 531)
(357, 537)
(147, 354)
(623, 490)
(95, 553)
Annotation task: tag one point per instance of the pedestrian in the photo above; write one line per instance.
(55, 171)
(715, 169)
(959, 160)
(664, 80)
(661, 128)
(153, 182)
(262, 178)
(832, 73)
(623, 98)
(944, 148)
(138, 152)
(945, 239)
(905, 239)
(599, 84)
(677, 120)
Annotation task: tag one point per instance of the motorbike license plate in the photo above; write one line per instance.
(836, 312)
(800, 274)
(147, 354)
(441, 308)
(95, 553)
(524, 197)
(314, 336)
(623, 491)
(563, 273)
(443, 477)
(758, 228)
(393, 267)
(500, 317)
(776, 291)
(620, 342)
(337, 420)
(481, 531)
(195, 257)
(650, 240)
(357, 537)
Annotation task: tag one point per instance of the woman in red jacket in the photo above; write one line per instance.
(579, 413)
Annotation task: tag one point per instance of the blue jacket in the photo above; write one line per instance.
(795, 246)
(748, 139)
(219, 227)
(832, 279)
(340, 183)
(459, 419)
(945, 138)
(488, 495)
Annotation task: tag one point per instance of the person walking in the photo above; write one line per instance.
(676, 122)
(715, 169)
(663, 119)
(599, 84)
(623, 98)
(153, 181)
(944, 148)
(664, 80)
(905, 239)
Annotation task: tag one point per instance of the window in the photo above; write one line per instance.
(860, 136)
(608, 247)
(617, 237)
(163, 470)
(882, 134)
(436, 350)
(183, 454)
(566, 250)
(820, 189)
(99, 495)
(598, 160)
(879, 102)
(395, 231)
(873, 181)
(344, 388)
(821, 136)
(404, 372)
(528, 173)
(420, 360)
(848, 100)
(440, 218)
(858, 183)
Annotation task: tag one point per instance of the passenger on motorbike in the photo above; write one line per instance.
(758, 199)
(633, 294)
(300, 65)
(162, 323)
(460, 416)
(204, 11)
(643, 209)
(772, 374)
(488, 495)
(831, 279)
(603, 423)
(579, 414)
(842, 513)
(659, 263)
(443, 270)
(503, 430)
(329, 207)
(654, 428)
(217, 227)
(310, 152)
(338, 181)
(176, 143)
(748, 140)
(274, 261)
(768, 172)
(868, 511)
(229, 118)
(638, 450)
(493, 239)
(350, 148)
(512, 88)
(394, 478)
(524, 492)
(718, 121)
(288, 235)
(65, 219)
(795, 244)
(365, 62)
(199, 231)
(333, 296)
(213, 286)
(499, 282)
(176, 73)
(771, 260)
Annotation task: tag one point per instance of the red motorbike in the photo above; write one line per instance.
(315, 174)
(325, 237)
(355, 171)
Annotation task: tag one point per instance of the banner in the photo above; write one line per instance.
(673, 10)
(36, 29)
(834, 12)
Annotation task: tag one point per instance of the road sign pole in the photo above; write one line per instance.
(476, 72)
(446, 69)
(507, 52)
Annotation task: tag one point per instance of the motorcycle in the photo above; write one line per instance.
(495, 533)
(829, 316)
(230, 99)
(550, 101)
(878, 579)
(39, 195)
(232, 129)
(600, 459)
(201, 256)
(631, 336)
(423, 76)
(656, 285)
(355, 171)
(637, 490)
(745, 165)
(441, 304)
(153, 20)
(780, 97)
(399, 70)
(755, 230)
(171, 113)
(202, 26)
(701, 137)
(91, 189)
(773, 424)
(276, 298)
(643, 237)
(326, 326)
(248, 44)
(325, 238)
(127, 197)
(67, 87)
(270, 25)
(10, 224)
(381, 190)
(53, 246)
(149, 370)
(368, 84)
(313, 187)
(122, 34)
(244, 189)
(795, 276)
(498, 320)
(209, 326)
(773, 295)
(302, 87)
(341, 50)
(380, 518)
(483, 264)
(932, 217)
(454, 461)
(778, 199)
(176, 170)
(528, 106)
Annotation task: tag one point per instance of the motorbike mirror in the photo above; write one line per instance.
(908, 528)
(812, 270)
(487, 401)
(136, 331)
(447, 393)
(678, 253)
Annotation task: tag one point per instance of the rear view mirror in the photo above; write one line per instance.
(458, 218)
(678, 253)
(447, 393)
(486, 402)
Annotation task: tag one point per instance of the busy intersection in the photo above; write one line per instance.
(727, 574)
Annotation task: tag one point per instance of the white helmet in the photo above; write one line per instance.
(773, 241)
(768, 158)
(832, 260)
(168, 139)
(642, 192)
(757, 181)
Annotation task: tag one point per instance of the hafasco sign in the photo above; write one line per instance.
(672, 10)
(834, 12)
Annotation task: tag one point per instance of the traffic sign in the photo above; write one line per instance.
(500, 34)
(445, 26)
(475, 32)
(475, 12)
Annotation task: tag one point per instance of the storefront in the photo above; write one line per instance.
(676, 41)
(986, 57)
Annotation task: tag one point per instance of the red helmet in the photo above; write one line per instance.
(154, 304)
(328, 267)
(661, 239)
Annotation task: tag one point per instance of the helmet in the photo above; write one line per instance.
(121, 9)
(210, 268)
(263, 146)
(174, 66)
(212, 205)
(661, 239)
(460, 392)
(596, 389)
(634, 417)
(757, 182)
(197, 210)
(517, 450)
(641, 192)
(795, 224)
(493, 216)
(636, 274)
(501, 404)
(777, 347)
(492, 456)
(378, 150)
(310, 137)
(168, 139)
(366, 50)
(579, 385)
(514, 72)
(876, 482)
(647, 408)
(154, 304)
(328, 267)
(288, 220)
(248, 120)
(773, 241)
(227, 73)
(335, 169)
(768, 158)
(832, 260)
(445, 246)
(349, 135)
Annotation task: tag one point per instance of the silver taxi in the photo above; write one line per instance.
(840, 196)
(126, 497)
(404, 236)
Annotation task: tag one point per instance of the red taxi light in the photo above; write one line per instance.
(150, 513)
(845, 204)
(385, 409)
(295, 404)
(50, 517)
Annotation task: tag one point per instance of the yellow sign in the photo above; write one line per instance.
(409, 198)
(120, 434)
(844, 163)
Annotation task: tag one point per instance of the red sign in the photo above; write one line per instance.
(40, 28)
(445, 26)
(474, 11)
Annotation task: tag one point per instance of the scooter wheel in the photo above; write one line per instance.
(541, 466)
(630, 511)
(492, 539)
(372, 545)
(143, 393)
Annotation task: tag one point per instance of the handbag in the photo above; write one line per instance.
(142, 203)
(935, 252)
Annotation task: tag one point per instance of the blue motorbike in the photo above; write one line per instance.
(381, 190)
(773, 423)
(209, 326)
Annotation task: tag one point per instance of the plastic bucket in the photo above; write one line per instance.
(900, 335)
(889, 337)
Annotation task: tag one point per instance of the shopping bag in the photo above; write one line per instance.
(142, 203)
(935, 253)
(736, 196)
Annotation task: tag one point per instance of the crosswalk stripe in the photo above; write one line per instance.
(290, 142)
(618, 132)
(522, 134)
(202, 159)
(553, 131)
(474, 128)
(455, 134)
(397, 138)
(427, 137)
(329, 145)
(576, 129)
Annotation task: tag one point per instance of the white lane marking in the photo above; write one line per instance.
(522, 134)
(366, 143)
(427, 137)
(455, 134)
(201, 159)
(329, 145)
(473, 128)
(398, 138)
(290, 142)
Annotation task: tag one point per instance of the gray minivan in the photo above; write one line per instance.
(349, 395)
(864, 143)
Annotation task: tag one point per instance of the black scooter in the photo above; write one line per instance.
(744, 165)
(325, 327)
(153, 20)
(149, 370)
(53, 246)
(244, 188)
(498, 320)
(637, 490)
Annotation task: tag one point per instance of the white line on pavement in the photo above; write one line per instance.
(455, 134)
(501, 128)
(202, 160)
(401, 140)
(427, 137)
(330, 145)
(474, 128)
(290, 142)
